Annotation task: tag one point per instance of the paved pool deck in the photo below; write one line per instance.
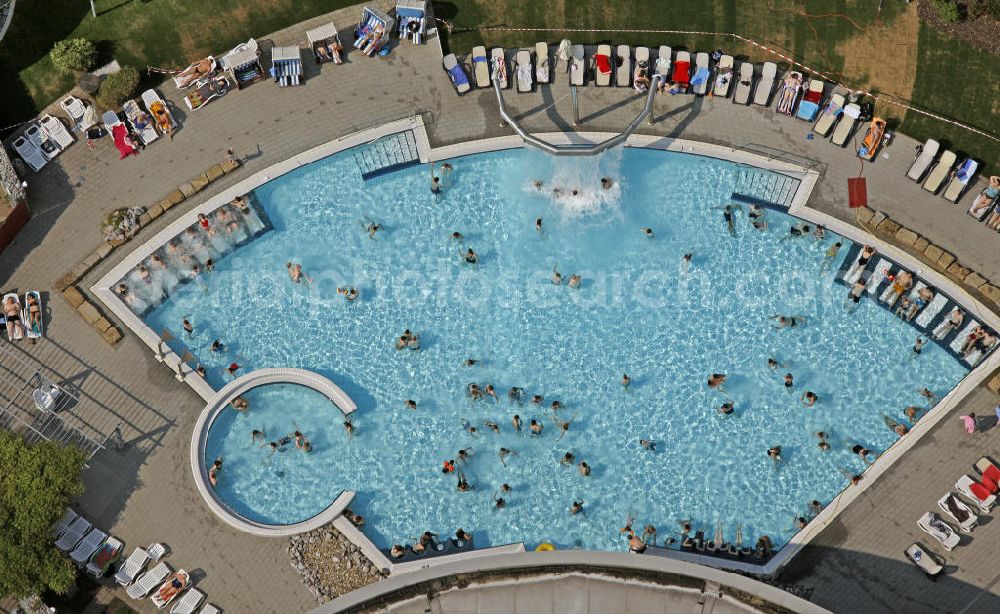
(145, 493)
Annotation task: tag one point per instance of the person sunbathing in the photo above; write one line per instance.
(194, 72)
(987, 196)
(12, 311)
(174, 584)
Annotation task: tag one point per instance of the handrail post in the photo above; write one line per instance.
(576, 105)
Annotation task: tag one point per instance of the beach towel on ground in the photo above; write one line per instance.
(123, 142)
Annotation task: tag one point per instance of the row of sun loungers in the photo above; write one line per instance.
(933, 171)
(42, 141)
(980, 494)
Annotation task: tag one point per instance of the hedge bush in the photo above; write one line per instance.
(73, 54)
(118, 87)
(947, 10)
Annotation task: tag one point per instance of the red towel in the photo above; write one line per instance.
(603, 64)
(991, 475)
(682, 72)
(982, 492)
(813, 96)
(122, 142)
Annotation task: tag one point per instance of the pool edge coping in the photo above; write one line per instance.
(219, 403)
(807, 178)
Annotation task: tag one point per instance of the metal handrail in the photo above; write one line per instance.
(578, 149)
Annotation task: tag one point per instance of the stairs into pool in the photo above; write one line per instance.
(386, 155)
(764, 188)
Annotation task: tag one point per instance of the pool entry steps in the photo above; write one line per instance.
(387, 154)
(764, 188)
(879, 273)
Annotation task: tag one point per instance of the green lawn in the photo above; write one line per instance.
(952, 78)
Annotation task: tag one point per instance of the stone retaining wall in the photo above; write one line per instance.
(67, 283)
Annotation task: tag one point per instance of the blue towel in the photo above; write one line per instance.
(700, 77)
(479, 58)
(458, 75)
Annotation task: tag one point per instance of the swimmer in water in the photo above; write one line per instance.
(648, 232)
(491, 392)
(727, 215)
(927, 394)
(537, 399)
(457, 236)
(831, 254)
(498, 503)
(567, 459)
(913, 413)
(372, 228)
(809, 399)
(626, 381)
(535, 427)
(563, 426)
(516, 395)
(686, 262)
(773, 364)
(410, 404)
(648, 444)
(787, 321)
(895, 427)
(516, 421)
(538, 225)
(789, 380)
(862, 452)
(296, 274)
(556, 277)
(188, 327)
(577, 508)
(606, 183)
(583, 468)
(727, 408)
(217, 346)
(493, 426)
(470, 362)
(574, 281)
(257, 434)
(774, 454)
(556, 405)
(349, 427)
(435, 183)
(716, 380)
(471, 257)
(537, 184)
(504, 453)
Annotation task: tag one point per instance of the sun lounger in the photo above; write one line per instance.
(966, 171)
(873, 139)
(132, 567)
(148, 581)
(791, 85)
(542, 72)
(141, 122)
(723, 77)
(188, 602)
(623, 74)
(499, 65)
(642, 67)
(110, 119)
(46, 395)
(161, 114)
(602, 66)
(577, 66)
(73, 534)
(924, 560)
(762, 95)
(156, 551)
(931, 524)
(564, 55)
(524, 75)
(939, 173)
(682, 72)
(849, 118)
(67, 519)
(56, 131)
(87, 547)
(480, 67)
(75, 109)
(976, 493)
(456, 73)
(209, 609)
(920, 165)
(207, 90)
(107, 554)
(990, 473)
(831, 113)
(702, 74)
(744, 85)
(40, 139)
(958, 511)
(173, 585)
(663, 63)
(809, 105)
(30, 153)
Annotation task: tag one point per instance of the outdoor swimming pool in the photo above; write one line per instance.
(637, 311)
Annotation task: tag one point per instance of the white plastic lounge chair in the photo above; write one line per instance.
(73, 534)
(167, 591)
(623, 74)
(162, 117)
(30, 153)
(148, 581)
(940, 171)
(87, 547)
(524, 75)
(923, 161)
(106, 554)
(702, 75)
(642, 55)
(809, 106)
(481, 67)
(762, 95)
(924, 560)
(141, 121)
(499, 64)
(744, 85)
(46, 396)
(542, 72)
(188, 602)
(931, 524)
(74, 108)
(964, 486)
(603, 66)
(663, 63)
(67, 519)
(209, 609)
(41, 140)
(456, 73)
(56, 131)
(156, 551)
(578, 66)
(132, 567)
(953, 507)
(966, 171)
(110, 120)
(682, 73)
(830, 114)
(564, 55)
(723, 76)
(849, 118)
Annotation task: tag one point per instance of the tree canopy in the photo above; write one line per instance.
(37, 482)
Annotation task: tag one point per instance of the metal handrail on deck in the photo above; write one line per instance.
(578, 149)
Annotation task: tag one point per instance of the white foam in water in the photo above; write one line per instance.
(583, 174)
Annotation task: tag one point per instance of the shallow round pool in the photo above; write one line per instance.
(638, 310)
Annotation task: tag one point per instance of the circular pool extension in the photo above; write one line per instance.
(259, 490)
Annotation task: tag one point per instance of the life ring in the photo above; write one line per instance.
(545, 547)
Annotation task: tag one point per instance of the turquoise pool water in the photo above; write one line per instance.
(636, 311)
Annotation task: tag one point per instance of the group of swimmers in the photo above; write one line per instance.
(428, 540)
(301, 441)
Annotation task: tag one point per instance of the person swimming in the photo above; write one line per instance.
(556, 276)
(789, 380)
(567, 459)
(686, 262)
(516, 395)
(809, 398)
(504, 453)
(257, 435)
(829, 256)
(577, 508)
(457, 236)
(648, 444)
(516, 421)
(626, 381)
(727, 408)
(648, 232)
(774, 453)
(583, 468)
(574, 281)
(471, 257)
(787, 321)
(716, 380)
(535, 427)
(606, 183)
